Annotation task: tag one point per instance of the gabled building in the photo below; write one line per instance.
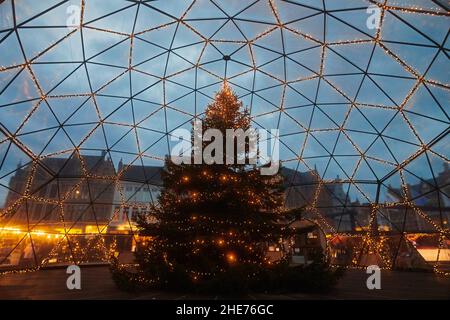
(62, 180)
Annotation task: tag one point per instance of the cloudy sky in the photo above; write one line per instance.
(350, 100)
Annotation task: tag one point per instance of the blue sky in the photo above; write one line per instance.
(306, 80)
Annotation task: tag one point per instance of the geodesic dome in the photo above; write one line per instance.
(91, 90)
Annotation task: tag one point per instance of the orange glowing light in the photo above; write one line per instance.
(231, 257)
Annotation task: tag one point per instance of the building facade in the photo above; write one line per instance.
(72, 189)
(139, 189)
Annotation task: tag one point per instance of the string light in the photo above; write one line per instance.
(312, 208)
(231, 257)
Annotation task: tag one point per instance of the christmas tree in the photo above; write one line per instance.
(216, 221)
(212, 217)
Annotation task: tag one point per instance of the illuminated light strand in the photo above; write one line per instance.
(378, 40)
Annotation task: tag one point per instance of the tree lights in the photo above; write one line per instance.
(247, 79)
(212, 217)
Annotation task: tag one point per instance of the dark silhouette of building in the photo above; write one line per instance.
(431, 196)
(74, 189)
(301, 190)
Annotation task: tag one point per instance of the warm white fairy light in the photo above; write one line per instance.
(313, 206)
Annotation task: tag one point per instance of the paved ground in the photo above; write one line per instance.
(97, 284)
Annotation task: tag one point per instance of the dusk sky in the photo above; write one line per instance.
(335, 93)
